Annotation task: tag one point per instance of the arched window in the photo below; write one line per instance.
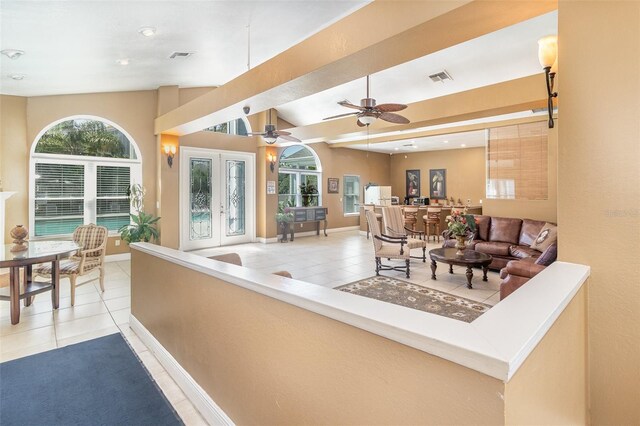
(299, 178)
(81, 169)
(239, 127)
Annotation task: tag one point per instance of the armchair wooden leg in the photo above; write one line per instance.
(102, 278)
(407, 262)
(424, 255)
(377, 266)
(72, 281)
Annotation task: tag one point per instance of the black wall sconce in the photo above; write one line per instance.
(170, 151)
(272, 161)
(548, 57)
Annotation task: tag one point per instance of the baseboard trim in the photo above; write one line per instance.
(211, 412)
(310, 234)
(267, 240)
(117, 257)
(363, 233)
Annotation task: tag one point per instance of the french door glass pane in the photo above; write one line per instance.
(200, 225)
(235, 204)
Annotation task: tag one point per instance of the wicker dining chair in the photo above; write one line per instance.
(93, 240)
(388, 247)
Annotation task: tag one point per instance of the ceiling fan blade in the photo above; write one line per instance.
(341, 115)
(289, 138)
(256, 134)
(282, 133)
(393, 118)
(350, 105)
(390, 107)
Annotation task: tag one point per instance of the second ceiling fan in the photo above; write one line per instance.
(368, 111)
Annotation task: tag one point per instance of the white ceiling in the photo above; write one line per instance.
(496, 57)
(72, 46)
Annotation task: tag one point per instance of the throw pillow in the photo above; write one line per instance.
(547, 236)
(548, 256)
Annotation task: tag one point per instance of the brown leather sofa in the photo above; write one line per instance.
(518, 272)
(505, 239)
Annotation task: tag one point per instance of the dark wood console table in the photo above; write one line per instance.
(308, 214)
(37, 252)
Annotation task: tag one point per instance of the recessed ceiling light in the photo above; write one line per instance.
(463, 145)
(396, 148)
(123, 61)
(17, 76)
(147, 31)
(12, 53)
(445, 141)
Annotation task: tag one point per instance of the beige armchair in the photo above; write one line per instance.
(235, 259)
(394, 226)
(387, 246)
(93, 240)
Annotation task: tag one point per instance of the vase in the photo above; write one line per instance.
(461, 244)
(19, 235)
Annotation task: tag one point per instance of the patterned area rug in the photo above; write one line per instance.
(417, 297)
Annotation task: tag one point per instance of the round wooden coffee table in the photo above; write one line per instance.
(470, 259)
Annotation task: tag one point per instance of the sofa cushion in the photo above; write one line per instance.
(530, 230)
(482, 227)
(504, 229)
(548, 256)
(548, 235)
(493, 248)
(522, 252)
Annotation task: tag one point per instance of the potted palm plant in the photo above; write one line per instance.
(143, 226)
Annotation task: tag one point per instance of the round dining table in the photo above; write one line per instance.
(36, 252)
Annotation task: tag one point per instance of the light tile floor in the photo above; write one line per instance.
(338, 259)
(345, 257)
(95, 314)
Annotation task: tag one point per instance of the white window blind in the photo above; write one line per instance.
(351, 194)
(517, 162)
(112, 204)
(59, 198)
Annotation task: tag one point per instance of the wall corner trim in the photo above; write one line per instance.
(212, 413)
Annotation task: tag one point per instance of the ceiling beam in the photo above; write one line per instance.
(501, 98)
(376, 37)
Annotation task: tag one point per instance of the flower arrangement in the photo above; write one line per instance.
(461, 224)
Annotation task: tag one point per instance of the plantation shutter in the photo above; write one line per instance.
(351, 194)
(517, 162)
(59, 198)
(112, 203)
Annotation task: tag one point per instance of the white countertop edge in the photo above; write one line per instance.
(482, 345)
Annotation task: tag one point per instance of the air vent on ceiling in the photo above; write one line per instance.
(440, 77)
(180, 55)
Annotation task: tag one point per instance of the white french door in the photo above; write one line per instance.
(217, 193)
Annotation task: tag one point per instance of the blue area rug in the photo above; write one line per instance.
(98, 382)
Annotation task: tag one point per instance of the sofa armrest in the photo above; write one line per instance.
(523, 268)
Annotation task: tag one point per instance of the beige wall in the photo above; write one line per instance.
(465, 172)
(539, 209)
(599, 191)
(550, 388)
(14, 160)
(267, 362)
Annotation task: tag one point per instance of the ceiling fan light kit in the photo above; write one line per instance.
(271, 135)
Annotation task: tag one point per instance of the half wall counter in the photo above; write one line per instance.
(253, 348)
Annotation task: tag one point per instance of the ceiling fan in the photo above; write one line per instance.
(270, 134)
(368, 111)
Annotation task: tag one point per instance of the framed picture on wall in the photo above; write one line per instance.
(413, 183)
(333, 185)
(438, 184)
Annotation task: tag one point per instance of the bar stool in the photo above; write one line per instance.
(411, 217)
(432, 219)
(372, 207)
